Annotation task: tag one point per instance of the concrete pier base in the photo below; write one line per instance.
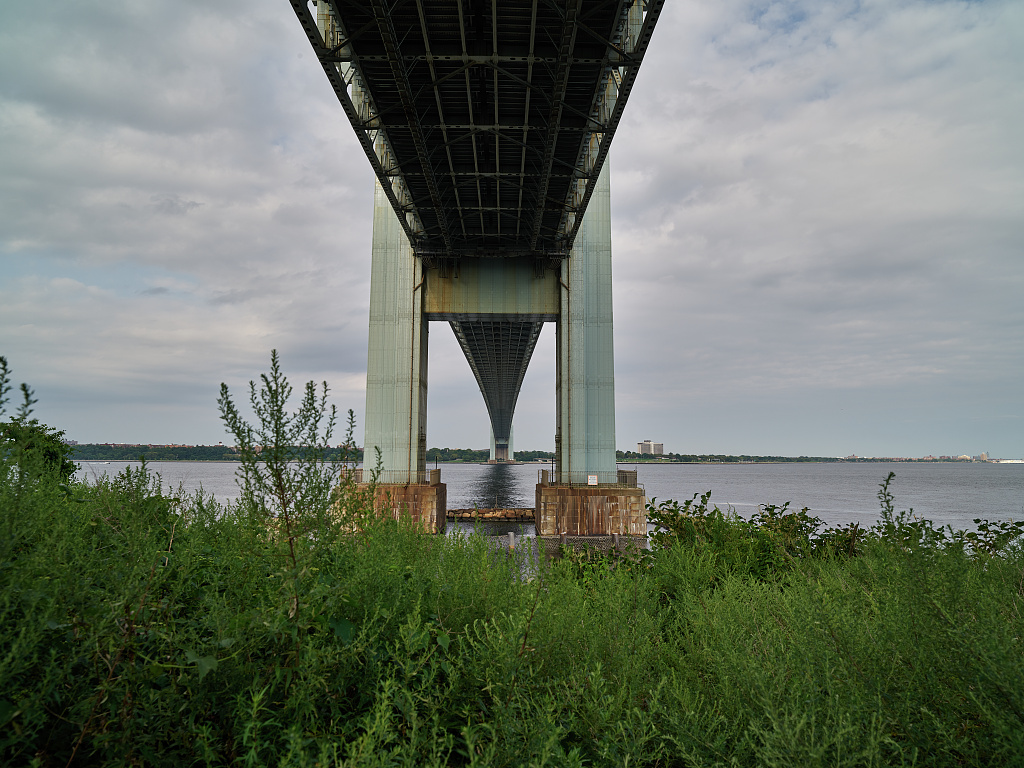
(592, 511)
(426, 505)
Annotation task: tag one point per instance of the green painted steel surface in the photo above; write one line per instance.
(485, 288)
(396, 372)
(509, 449)
(496, 308)
(585, 437)
(498, 345)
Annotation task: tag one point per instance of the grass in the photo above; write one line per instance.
(296, 628)
(140, 628)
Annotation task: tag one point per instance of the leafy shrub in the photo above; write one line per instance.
(760, 548)
(139, 627)
(28, 447)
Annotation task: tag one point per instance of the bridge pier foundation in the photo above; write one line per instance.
(580, 510)
(425, 503)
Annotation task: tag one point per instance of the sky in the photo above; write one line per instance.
(818, 228)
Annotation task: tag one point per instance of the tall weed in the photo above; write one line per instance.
(145, 627)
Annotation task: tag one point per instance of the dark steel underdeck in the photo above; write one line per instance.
(487, 123)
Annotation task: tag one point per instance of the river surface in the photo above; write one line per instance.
(946, 493)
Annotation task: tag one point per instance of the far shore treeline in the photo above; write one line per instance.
(126, 452)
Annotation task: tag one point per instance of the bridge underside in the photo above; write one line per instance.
(498, 352)
(486, 123)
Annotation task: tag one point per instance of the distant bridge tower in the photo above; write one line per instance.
(488, 127)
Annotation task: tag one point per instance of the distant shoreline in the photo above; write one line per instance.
(163, 457)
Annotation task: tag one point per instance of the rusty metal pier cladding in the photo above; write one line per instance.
(488, 126)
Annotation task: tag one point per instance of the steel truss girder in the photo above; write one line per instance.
(479, 60)
(487, 123)
(391, 44)
(348, 88)
(638, 21)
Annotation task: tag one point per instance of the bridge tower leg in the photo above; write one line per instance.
(396, 375)
(585, 378)
(586, 496)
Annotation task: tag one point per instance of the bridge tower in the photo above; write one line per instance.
(488, 127)
(496, 308)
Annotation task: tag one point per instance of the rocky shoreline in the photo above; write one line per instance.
(507, 514)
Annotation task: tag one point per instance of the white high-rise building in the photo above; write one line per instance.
(649, 447)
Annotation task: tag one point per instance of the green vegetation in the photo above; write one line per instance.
(468, 455)
(108, 452)
(26, 446)
(103, 452)
(138, 628)
(534, 455)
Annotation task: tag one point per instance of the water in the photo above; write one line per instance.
(948, 493)
(495, 486)
(945, 493)
(214, 477)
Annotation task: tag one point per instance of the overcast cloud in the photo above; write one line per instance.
(818, 227)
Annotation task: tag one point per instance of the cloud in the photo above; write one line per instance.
(195, 183)
(816, 222)
(826, 199)
(172, 205)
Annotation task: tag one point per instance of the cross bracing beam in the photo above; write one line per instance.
(487, 123)
(498, 353)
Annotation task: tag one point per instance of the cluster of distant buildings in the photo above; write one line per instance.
(983, 456)
(651, 448)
